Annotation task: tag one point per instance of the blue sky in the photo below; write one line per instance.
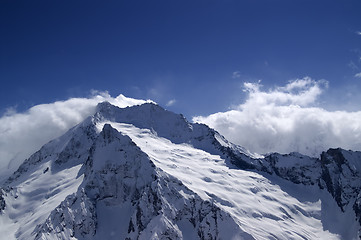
(198, 53)
(269, 75)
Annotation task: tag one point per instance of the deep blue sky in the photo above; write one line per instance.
(182, 50)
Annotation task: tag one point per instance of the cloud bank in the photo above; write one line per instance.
(22, 134)
(285, 119)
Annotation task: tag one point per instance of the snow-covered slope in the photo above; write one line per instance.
(44, 180)
(146, 173)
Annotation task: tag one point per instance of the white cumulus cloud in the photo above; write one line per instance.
(22, 134)
(285, 119)
(358, 75)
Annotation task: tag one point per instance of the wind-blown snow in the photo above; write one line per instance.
(287, 119)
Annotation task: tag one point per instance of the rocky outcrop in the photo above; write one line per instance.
(75, 217)
(340, 175)
(2, 201)
(295, 167)
(337, 171)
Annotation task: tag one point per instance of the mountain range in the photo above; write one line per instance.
(143, 172)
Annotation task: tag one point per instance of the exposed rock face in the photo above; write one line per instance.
(294, 167)
(74, 217)
(2, 201)
(337, 170)
(341, 175)
(357, 209)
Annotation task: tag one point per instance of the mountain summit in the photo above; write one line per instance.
(143, 172)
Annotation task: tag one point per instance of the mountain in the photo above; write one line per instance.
(143, 172)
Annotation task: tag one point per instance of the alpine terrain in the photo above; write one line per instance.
(143, 172)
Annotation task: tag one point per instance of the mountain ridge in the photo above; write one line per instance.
(167, 140)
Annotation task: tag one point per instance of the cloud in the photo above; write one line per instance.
(358, 75)
(171, 102)
(21, 134)
(352, 65)
(236, 74)
(358, 32)
(286, 119)
(10, 111)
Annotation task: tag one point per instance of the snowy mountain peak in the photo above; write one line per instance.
(143, 172)
(148, 115)
(175, 128)
(125, 196)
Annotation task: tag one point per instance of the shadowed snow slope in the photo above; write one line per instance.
(146, 173)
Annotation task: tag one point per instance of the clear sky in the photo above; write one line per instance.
(197, 52)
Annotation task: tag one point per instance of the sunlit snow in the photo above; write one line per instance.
(261, 207)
